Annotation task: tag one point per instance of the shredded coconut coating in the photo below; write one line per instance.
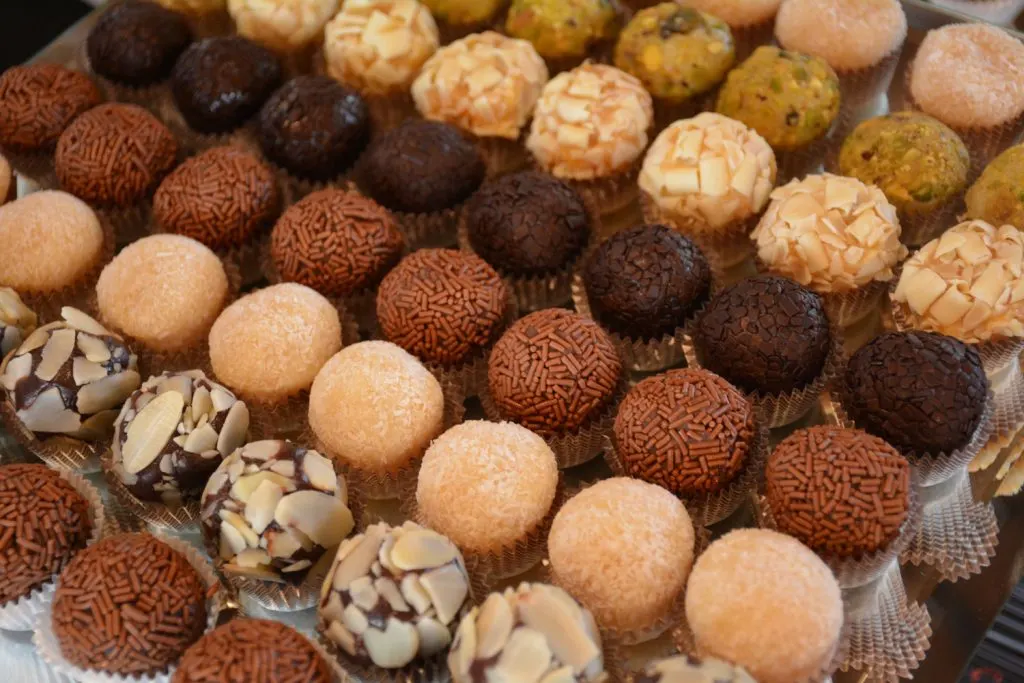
(50, 239)
(486, 485)
(197, 7)
(7, 180)
(969, 76)
(830, 233)
(764, 601)
(710, 171)
(848, 34)
(738, 13)
(967, 283)
(282, 25)
(486, 84)
(590, 122)
(623, 548)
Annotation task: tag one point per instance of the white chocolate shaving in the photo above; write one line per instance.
(282, 25)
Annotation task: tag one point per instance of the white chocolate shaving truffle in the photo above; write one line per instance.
(848, 34)
(590, 122)
(486, 84)
(966, 283)
(830, 233)
(282, 25)
(378, 46)
(738, 13)
(709, 171)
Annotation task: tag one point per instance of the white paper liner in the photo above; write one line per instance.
(282, 597)
(21, 662)
(726, 248)
(182, 518)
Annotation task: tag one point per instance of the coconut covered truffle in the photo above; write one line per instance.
(17, 321)
(690, 669)
(562, 28)
(270, 344)
(848, 34)
(38, 101)
(997, 197)
(966, 283)
(763, 600)
(394, 595)
(624, 548)
(284, 26)
(486, 485)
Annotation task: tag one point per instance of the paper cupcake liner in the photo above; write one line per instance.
(726, 247)
(748, 38)
(992, 11)
(917, 229)
(21, 614)
(667, 112)
(1013, 480)
(179, 519)
(147, 97)
(863, 92)
(48, 645)
(794, 164)
(130, 223)
(34, 166)
(62, 453)
(501, 155)
(608, 194)
(429, 670)
(429, 230)
(210, 24)
(284, 419)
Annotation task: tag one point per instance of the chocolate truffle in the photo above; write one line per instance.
(172, 434)
(442, 305)
(255, 651)
(624, 548)
(131, 579)
(922, 392)
(45, 522)
(528, 224)
(70, 377)
(689, 431)
(220, 83)
(17, 321)
(394, 595)
(221, 197)
(646, 282)
(273, 510)
(553, 371)
(765, 334)
(114, 154)
(337, 242)
(690, 669)
(314, 127)
(136, 43)
(38, 101)
(421, 167)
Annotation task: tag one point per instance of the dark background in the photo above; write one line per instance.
(26, 26)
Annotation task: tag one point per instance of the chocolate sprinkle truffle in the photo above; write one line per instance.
(221, 198)
(528, 224)
(38, 101)
(765, 334)
(255, 651)
(442, 305)
(421, 167)
(220, 83)
(128, 605)
(552, 371)
(314, 127)
(44, 521)
(922, 392)
(136, 43)
(646, 281)
(336, 242)
(838, 491)
(114, 154)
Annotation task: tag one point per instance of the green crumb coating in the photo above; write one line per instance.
(998, 195)
(562, 28)
(791, 99)
(676, 52)
(918, 162)
(463, 12)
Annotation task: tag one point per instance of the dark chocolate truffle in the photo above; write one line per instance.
(114, 154)
(421, 167)
(688, 431)
(442, 305)
(37, 102)
(128, 605)
(254, 651)
(922, 392)
(220, 83)
(336, 242)
(45, 521)
(552, 371)
(136, 43)
(838, 491)
(220, 198)
(314, 127)
(646, 282)
(765, 334)
(528, 224)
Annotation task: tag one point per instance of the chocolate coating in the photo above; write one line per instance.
(220, 83)
(136, 43)
(764, 334)
(421, 167)
(922, 392)
(314, 127)
(38, 101)
(528, 224)
(646, 281)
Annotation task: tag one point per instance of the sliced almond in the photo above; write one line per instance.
(389, 591)
(494, 626)
(252, 557)
(354, 620)
(566, 675)
(221, 399)
(434, 637)
(17, 368)
(331, 608)
(80, 321)
(56, 352)
(343, 637)
(565, 634)
(201, 440)
(259, 509)
(37, 338)
(447, 588)
(525, 659)
(244, 486)
(320, 471)
(262, 450)
(463, 654)
(297, 567)
(260, 573)
(414, 594)
(235, 428)
(422, 549)
(202, 404)
(150, 431)
(84, 371)
(363, 593)
(181, 384)
(232, 541)
(324, 518)
(357, 562)
(93, 348)
(47, 414)
(394, 647)
(286, 468)
(283, 544)
(384, 556)
(107, 393)
(96, 427)
(236, 520)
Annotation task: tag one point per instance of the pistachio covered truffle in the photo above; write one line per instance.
(998, 195)
(562, 28)
(17, 321)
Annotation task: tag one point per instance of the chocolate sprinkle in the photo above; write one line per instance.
(137, 43)
(838, 491)
(38, 101)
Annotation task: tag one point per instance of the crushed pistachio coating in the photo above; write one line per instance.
(998, 195)
(562, 28)
(463, 12)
